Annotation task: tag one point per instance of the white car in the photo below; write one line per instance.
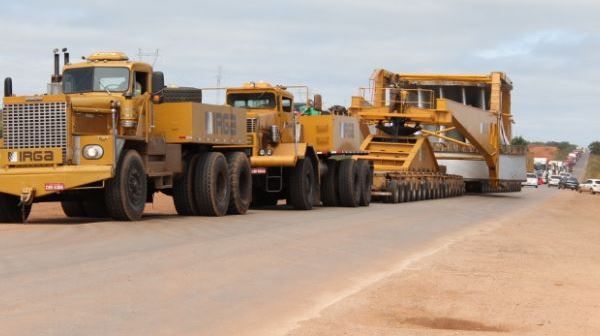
(591, 185)
(532, 181)
(554, 180)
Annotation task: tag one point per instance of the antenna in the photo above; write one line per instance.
(219, 76)
(154, 54)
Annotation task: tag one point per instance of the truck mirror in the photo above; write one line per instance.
(8, 89)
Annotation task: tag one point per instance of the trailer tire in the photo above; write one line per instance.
(125, 195)
(349, 182)
(73, 208)
(183, 188)
(11, 212)
(302, 183)
(366, 181)
(394, 189)
(240, 182)
(329, 184)
(211, 185)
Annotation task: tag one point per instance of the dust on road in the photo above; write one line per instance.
(535, 273)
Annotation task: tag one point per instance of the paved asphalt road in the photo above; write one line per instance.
(239, 275)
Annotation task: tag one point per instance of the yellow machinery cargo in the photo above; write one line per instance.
(424, 144)
(109, 134)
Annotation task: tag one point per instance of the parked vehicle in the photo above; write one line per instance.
(590, 185)
(554, 181)
(532, 181)
(568, 183)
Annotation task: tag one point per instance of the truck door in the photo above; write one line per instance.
(141, 101)
(287, 119)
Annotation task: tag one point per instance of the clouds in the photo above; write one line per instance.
(548, 48)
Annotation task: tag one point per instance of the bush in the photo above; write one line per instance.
(595, 147)
(519, 141)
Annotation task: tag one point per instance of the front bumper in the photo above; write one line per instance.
(42, 181)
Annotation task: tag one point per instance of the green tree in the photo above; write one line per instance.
(519, 141)
(595, 147)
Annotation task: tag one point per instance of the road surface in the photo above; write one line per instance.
(257, 274)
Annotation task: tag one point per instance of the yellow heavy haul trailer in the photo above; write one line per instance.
(424, 144)
(305, 160)
(109, 134)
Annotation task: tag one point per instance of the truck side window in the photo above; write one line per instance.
(286, 104)
(140, 86)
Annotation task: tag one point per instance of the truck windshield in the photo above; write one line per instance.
(261, 100)
(95, 79)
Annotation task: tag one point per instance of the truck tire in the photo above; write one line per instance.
(241, 183)
(11, 212)
(349, 184)
(366, 181)
(403, 192)
(301, 185)
(183, 188)
(182, 94)
(125, 194)
(329, 184)
(211, 185)
(73, 208)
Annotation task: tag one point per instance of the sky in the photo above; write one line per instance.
(550, 49)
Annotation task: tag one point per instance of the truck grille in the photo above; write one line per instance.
(251, 125)
(35, 125)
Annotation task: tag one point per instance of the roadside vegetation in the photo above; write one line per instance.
(593, 167)
(564, 147)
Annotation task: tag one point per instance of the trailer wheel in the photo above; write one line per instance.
(302, 182)
(349, 182)
(366, 181)
(240, 182)
(11, 212)
(394, 189)
(403, 193)
(211, 185)
(73, 208)
(125, 194)
(329, 184)
(183, 188)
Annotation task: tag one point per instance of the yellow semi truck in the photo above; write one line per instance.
(306, 160)
(109, 134)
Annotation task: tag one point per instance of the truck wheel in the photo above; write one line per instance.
(349, 183)
(73, 208)
(211, 185)
(403, 193)
(302, 182)
(183, 188)
(329, 184)
(241, 183)
(125, 194)
(11, 212)
(366, 181)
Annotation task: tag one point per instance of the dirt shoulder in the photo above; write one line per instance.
(534, 273)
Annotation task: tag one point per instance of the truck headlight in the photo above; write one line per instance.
(93, 152)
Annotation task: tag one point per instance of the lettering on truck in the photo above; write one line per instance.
(30, 156)
(221, 123)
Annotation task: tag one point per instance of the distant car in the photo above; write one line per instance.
(532, 181)
(554, 181)
(568, 183)
(590, 185)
